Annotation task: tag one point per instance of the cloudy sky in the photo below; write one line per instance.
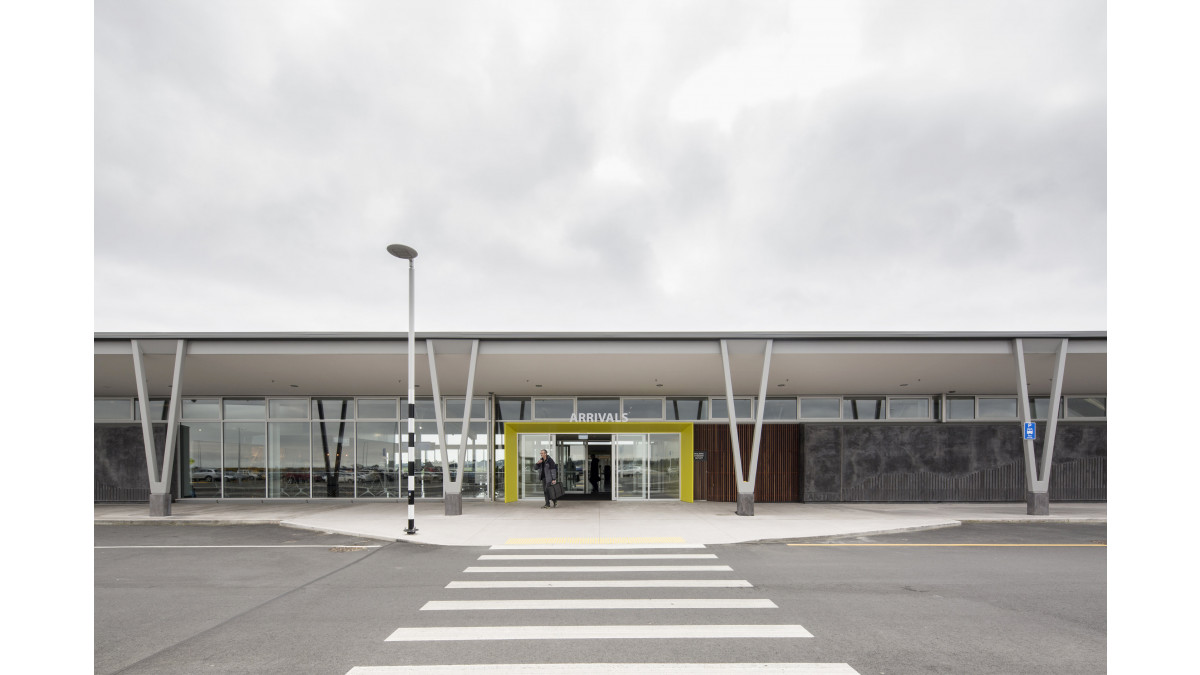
(600, 166)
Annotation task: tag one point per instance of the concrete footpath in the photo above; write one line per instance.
(591, 522)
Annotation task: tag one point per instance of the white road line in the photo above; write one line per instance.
(604, 668)
(627, 632)
(606, 583)
(601, 556)
(258, 546)
(586, 547)
(600, 603)
(604, 568)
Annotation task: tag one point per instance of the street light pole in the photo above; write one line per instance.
(408, 253)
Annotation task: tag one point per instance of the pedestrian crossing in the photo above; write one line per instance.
(562, 572)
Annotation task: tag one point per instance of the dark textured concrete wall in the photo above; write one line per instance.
(947, 462)
(120, 461)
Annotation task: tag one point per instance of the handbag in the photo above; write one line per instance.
(556, 491)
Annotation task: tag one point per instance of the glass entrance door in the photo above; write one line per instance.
(631, 466)
(529, 447)
(570, 453)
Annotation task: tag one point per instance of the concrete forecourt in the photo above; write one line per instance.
(835, 589)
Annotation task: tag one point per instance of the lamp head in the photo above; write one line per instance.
(402, 251)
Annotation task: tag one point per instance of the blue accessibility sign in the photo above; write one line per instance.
(1030, 431)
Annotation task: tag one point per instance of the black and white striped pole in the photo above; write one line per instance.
(408, 253)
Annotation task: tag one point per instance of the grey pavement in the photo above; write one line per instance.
(596, 522)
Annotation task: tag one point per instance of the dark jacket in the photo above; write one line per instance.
(548, 470)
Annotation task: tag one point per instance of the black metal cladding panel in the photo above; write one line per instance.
(946, 462)
(119, 469)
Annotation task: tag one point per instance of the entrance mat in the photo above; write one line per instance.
(595, 540)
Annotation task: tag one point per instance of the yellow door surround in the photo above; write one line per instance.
(684, 429)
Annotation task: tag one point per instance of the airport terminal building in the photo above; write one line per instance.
(815, 417)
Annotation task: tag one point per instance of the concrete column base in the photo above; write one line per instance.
(1037, 503)
(745, 504)
(160, 505)
(453, 503)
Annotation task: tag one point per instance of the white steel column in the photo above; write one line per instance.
(1037, 474)
(745, 484)
(762, 403)
(159, 478)
(452, 487)
(737, 449)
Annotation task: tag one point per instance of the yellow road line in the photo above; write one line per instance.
(596, 540)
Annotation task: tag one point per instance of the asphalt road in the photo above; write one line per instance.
(968, 600)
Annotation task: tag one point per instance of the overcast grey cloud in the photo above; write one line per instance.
(626, 166)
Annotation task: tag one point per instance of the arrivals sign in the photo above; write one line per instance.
(600, 417)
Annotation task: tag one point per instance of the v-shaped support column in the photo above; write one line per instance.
(1037, 478)
(745, 484)
(160, 479)
(452, 485)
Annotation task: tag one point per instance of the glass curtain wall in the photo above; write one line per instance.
(333, 448)
(375, 467)
(289, 460)
(244, 459)
(475, 464)
(200, 458)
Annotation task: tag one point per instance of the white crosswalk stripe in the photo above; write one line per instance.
(554, 569)
(605, 583)
(617, 668)
(598, 632)
(650, 630)
(600, 603)
(610, 556)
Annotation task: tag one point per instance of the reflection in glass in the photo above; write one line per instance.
(687, 408)
(631, 471)
(961, 407)
(602, 406)
(908, 408)
(245, 408)
(862, 408)
(375, 459)
(201, 409)
(454, 408)
(289, 408)
(332, 408)
(429, 460)
(1096, 406)
(643, 408)
(424, 408)
(513, 409)
(720, 409)
(377, 408)
(158, 409)
(498, 479)
(1041, 407)
(780, 409)
(245, 459)
(529, 447)
(200, 458)
(114, 409)
(664, 466)
(997, 408)
(475, 464)
(289, 466)
(333, 458)
(820, 408)
(553, 408)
